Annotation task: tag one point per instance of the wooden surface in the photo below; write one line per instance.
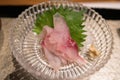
(31, 2)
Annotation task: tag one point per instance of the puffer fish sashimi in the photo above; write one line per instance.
(58, 46)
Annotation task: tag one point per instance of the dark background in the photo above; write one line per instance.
(14, 11)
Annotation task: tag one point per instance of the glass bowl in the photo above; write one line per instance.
(27, 50)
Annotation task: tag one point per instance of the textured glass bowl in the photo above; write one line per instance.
(27, 51)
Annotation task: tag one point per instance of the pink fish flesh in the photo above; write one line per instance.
(58, 46)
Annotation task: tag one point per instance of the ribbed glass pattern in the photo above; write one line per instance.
(27, 50)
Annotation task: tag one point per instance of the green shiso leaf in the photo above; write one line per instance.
(74, 20)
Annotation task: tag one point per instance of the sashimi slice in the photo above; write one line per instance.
(53, 60)
(58, 44)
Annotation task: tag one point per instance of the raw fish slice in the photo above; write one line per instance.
(58, 42)
(60, 25)
(53, 60)
(66, 45)
(46, 30)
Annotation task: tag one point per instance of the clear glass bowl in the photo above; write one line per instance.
(27, 51)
